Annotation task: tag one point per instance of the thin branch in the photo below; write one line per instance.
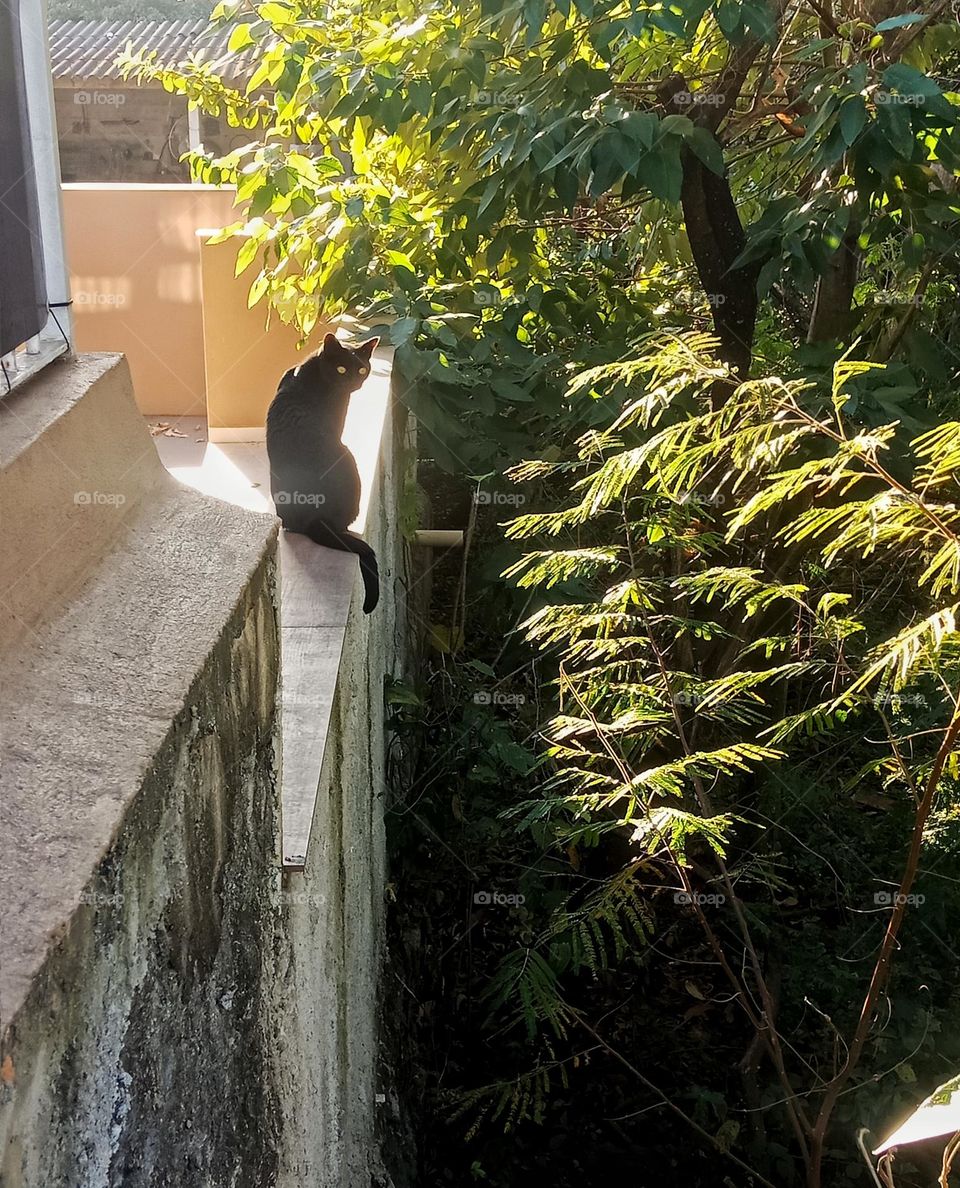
(881, 970)
(654, 1089)
(734, 75)
(907, 36)
(767, 1026)
(903, 325)
(826, 17)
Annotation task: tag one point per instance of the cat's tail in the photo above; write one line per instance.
(370, 572)
(348, 542)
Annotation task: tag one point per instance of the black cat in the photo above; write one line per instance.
(313, 476)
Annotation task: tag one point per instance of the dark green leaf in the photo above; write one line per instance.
(898, 22)
(728, 17)
(853, 117)
(662, 173)
(897, 128)
(706, 148)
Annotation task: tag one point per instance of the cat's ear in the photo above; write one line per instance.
(367, 348)
(331, 345)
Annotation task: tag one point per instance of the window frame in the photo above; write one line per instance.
(56, 336)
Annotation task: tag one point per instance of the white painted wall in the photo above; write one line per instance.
(46, 160)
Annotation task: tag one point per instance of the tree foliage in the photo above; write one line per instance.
(678, 659)
(119, 10)
(521, 184)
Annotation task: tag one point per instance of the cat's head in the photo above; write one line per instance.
(348, 365)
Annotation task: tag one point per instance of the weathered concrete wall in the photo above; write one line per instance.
(141, 1056)
(110, 131)
(195, 1018)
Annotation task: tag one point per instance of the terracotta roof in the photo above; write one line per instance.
(90, 49)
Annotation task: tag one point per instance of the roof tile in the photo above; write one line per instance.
(87, 50)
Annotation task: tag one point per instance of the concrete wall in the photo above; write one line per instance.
(336, 903)
(138, 288)
(143, 1053)
(174, 1010)
(109, 131)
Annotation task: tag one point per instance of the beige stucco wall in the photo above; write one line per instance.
(135, 282)
(139, 287)
(244, 356)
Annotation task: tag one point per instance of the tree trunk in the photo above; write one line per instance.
(715, 233)
(832, 315)
(716, 239)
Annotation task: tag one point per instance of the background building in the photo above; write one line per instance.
(110, 129)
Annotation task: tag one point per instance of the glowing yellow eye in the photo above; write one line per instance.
(342, 370)
(363, 371)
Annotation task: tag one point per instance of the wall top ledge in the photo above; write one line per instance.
(30, 410)
(320, 592)
(183, 187)
(124, 603)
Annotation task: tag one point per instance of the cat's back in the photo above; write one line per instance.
(295, 423)
(306, 455)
